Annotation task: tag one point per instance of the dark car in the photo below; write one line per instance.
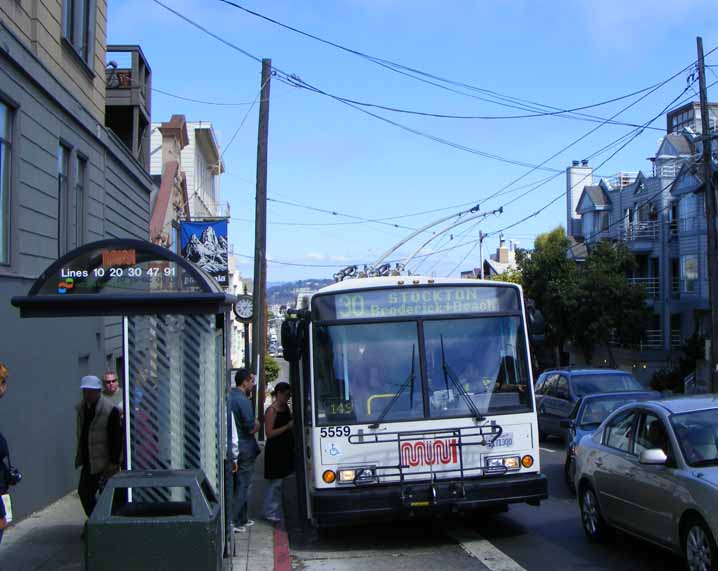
(558, 390)
(588, 413)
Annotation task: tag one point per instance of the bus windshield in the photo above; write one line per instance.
(487, 356)
(360, 368)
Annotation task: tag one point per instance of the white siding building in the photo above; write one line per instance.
(202, 163)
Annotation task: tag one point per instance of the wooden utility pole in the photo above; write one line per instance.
(710, 197)
(259, 324)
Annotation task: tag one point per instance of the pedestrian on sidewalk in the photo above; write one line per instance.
(99, 441)
(248, 449)
(278, 451)
(9, 476)
(111, 390)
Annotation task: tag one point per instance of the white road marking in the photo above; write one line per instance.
(483, 550)
(549, 449)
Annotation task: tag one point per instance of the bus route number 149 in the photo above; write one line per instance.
(334, 431)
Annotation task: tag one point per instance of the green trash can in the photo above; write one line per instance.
(155, 520)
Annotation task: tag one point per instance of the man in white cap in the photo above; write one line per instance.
(99, 440)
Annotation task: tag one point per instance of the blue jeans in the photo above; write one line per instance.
(242, 481)
(273, 499)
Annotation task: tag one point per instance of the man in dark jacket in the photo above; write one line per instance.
(99, 440)
(247, 426)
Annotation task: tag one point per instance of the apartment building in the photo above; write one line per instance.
(660, 215)
(202, 165)
(65, 179)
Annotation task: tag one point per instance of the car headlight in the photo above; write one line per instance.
(501, 463)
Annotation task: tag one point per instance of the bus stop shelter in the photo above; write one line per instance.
(175, 331)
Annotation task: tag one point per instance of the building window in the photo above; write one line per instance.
(689, 273)
(78, 200)
(63, 167)
(5, 154)
(77, 21)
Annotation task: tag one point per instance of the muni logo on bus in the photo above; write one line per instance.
(429, 452)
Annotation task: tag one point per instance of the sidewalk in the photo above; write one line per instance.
(49, 540)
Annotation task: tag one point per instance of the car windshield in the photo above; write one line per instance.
(360, 368)
(595, 410)
(598, 383)
(479, 361)
(697, 434)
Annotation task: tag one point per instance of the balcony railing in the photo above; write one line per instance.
(640, 231)
(653, 339)
(676, 339)
(652, 286)
(666, 171)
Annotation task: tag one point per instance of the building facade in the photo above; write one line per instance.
(65, 180)
(660, 216)
(202, 164)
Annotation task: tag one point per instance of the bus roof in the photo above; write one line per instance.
(405, 281)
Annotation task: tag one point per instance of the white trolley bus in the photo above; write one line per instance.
(412, 395)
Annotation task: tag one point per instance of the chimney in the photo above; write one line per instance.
(502, 254)
(578, 175)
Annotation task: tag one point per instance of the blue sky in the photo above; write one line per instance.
(326, 155)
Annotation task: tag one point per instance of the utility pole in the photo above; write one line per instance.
(259, 324)
(481, 254)
(710, 217)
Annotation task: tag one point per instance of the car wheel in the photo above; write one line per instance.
(593, 523)
(569, 472)
(699, 548)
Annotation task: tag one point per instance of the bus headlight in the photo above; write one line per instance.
(527, 461)
(358, 476)
(501, 463)
(328, 476)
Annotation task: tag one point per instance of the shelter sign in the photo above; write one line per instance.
(205, 244)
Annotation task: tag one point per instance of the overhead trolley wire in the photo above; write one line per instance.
(402, 69)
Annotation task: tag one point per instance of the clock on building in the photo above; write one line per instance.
(243, 309)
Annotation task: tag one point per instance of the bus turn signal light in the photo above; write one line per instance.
(527, 461)
(330, 476)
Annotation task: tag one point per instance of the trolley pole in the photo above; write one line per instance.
(710, 216)
(481, 254)
(259, 320)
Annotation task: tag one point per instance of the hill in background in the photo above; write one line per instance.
(286, 293)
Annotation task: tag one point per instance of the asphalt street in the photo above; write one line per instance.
(525, 538)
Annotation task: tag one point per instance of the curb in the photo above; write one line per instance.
(282, 559)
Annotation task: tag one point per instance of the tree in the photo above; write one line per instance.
(511, 276)
(608, 303)
(271, 368)
(549, 278)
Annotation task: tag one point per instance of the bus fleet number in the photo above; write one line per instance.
(335, 431)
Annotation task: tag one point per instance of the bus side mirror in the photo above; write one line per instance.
(292, 339)
(536, 324)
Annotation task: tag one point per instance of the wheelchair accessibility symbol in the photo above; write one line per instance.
(334, 451)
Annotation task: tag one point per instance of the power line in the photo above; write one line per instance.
(203, 102)
(396, 67)
(536, 213)
(291, 79)
(244, 119)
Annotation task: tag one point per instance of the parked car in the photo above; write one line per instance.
(587, 415)
(558, 390)
(651, 469)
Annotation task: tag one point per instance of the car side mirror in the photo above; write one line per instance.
(566, 423)
(653, 456)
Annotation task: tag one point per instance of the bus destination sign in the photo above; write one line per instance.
(418, 302)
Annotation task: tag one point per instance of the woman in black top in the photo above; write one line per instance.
(279, 450)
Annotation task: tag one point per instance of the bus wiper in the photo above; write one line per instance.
(408, 383)
(449, 375)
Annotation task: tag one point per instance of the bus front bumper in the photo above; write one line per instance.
(342, 506)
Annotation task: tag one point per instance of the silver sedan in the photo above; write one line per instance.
(651, 469)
